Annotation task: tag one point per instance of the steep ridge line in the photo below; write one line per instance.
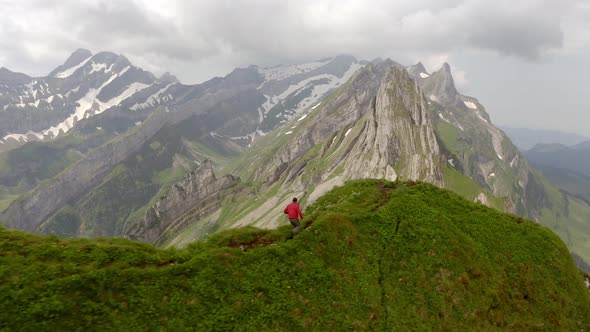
(476, 269)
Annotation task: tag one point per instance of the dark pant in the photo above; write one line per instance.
(296, 225)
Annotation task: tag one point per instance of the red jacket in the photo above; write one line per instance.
(293, 211)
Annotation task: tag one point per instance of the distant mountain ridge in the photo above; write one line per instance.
(87, 85)
(575, 158)
(566, 166)
(526, 138)
(181, 127)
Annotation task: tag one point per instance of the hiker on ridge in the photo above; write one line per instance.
(294, 213)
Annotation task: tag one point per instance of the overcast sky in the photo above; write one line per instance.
(528, 61)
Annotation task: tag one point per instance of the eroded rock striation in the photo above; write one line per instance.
(198, 194)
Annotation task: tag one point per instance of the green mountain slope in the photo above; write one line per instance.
(566, 166)
(375, 256)
(475, 148)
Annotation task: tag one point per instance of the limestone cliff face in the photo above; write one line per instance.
(397, 134)
(380, 124)
(198, 194)
(32, 210)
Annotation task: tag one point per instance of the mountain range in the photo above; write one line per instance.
(526, 138)
(100, 147)
(566, 166)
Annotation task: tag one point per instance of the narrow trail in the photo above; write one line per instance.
(386, 245)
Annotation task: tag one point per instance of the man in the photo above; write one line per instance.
(294, 213)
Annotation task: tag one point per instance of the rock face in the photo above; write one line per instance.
(472, 144)
(198, 194)
(30, 211)
(376, 126)
(379, 122)
(83, 109)
(85, 85)
(398, 133)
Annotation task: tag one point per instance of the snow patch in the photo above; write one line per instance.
(348, 132)
(424, 75)
(333, 140)
(70, 71)
(288, 133)
(23, 137)
(90, 102)
(316, 106)
(301, 118)
(130, 91)
(317, 91)
(443, 117)
(96, 67)
(493, 175)
(470, 105)
(152, 100)
(282, 72)
(433, 98)
(451, 162)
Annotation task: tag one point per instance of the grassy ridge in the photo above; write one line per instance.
(375, 255)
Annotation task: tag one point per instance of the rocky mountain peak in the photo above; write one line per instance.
(442, 85)
(9, 77)
(446, 68)
(420, 67)
(169, 78)
(76, 58)
(340, 64)
(199, 190)
(418, 71)
(377, 126)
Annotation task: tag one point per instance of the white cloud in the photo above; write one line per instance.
(197, 39)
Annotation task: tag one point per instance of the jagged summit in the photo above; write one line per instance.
(9, 77)
(76, 58)
(420, 66)
(168, 77)
(441, 85)
(418, 71)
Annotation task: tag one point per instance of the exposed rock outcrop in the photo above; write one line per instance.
(198, 194)
(397, 133)
(30, 211)
(387, 118)
(376, 126)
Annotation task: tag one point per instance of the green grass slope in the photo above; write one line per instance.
(374, 256)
